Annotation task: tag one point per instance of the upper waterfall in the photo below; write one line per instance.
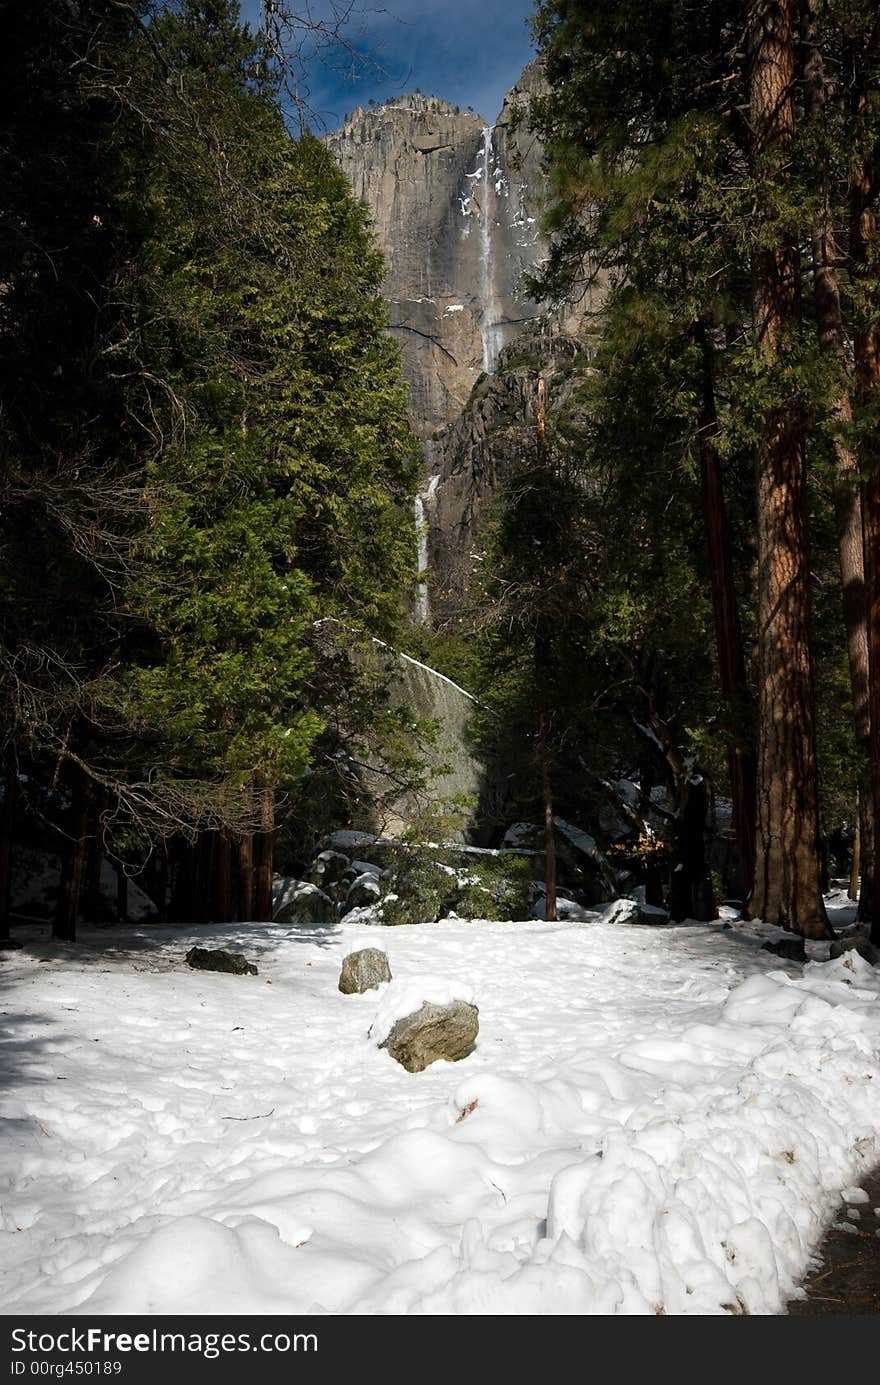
(489, 305)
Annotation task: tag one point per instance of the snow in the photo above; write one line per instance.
(652, 1121)
(405, 996)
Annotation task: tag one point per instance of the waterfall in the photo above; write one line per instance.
(422, 543)
(489, 326)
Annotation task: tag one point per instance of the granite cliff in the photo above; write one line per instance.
(456, 205)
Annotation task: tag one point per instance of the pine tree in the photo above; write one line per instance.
(645, 122)
(228, 425)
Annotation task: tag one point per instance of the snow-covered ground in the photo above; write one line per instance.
(654, 1120)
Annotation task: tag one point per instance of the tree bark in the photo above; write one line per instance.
(245, 870)
(223, 878)
(866, 343)
(121, 893)
(846, 489)
(245, 878)
(690, 894)
(787, 886)
(734, 685)
(855, 868)
(73, 857)
(162, 883)
(95, 860)
(203, 894)
(7, 820)
(265, 851)
(182, 872)
(549, 834)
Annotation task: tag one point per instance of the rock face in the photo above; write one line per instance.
(432, 1032)
(215, 959)
(455, 774)
(454, 203)
(456, 206)
(364, 971)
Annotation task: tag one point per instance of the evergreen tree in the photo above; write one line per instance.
(651, 157)
(233, 390)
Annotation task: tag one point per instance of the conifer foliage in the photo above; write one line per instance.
(204, 446)
(718, 164)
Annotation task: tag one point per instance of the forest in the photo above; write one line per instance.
(439, 664)
(207, 465)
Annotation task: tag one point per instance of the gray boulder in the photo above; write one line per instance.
(362, 892)
(328, 870)
(432, 1032)
(307, 904)
(364, 971)
(215, 959)
(789, 949)
(630, 911)
(840, 946)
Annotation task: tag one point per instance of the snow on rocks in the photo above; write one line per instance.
(631, 911)
(406, 995)
(854, 1196)
(862, 946)
(305, 903)
(363, 891)
(652, 1121)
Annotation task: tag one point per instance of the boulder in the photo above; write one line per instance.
(364, 971)
(362, 892)
(630, 911)
(215, 959)
(840, 946)
(580, 862)
(307, 904)
(789, 949)
(328, 869)
(433, 1032)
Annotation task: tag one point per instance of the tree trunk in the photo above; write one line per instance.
(182, 872)
(244, 874)
(866, 341)
(7, 821)
(92, 881)
(265, 848)
(162, 883)
(728, 635)
(73, 857)
(245, 878)
(856, 862)
(223, 879)
(549, 834)
(203, 894)
(121, 893)
(691, 895)
(787, 888)
(846, 490)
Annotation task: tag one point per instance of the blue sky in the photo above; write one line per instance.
(470, 52)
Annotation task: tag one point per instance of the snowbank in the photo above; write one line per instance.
(651, 1122)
